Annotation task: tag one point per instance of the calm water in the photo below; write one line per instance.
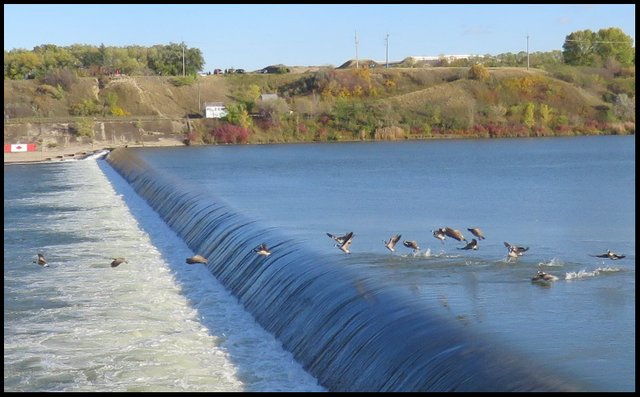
(80, 325)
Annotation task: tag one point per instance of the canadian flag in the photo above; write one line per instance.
(20, 147)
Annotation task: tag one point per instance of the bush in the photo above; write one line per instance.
(478, 72)
(183, 80)
(230, 133)
(64, 78)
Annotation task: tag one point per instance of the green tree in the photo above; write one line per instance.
(578, 48)
(21, 64)
(613, 43)
(586, 48)
(238, 115)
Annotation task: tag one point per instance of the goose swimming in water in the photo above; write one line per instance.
(439, 234)
(41, 260)
(411, 244)
(543, 277)
(117, 261)
(515, 251)
(391, 244)
(473, 245)
(197, 259)
(610, 255)
(453, 233)
(476, 232)
(344, 246)
(340, 239)
(262, 249)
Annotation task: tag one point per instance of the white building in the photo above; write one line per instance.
(214, 110)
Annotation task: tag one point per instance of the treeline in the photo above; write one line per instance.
(581, 48)
(174, 59)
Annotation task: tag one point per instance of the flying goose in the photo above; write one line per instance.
(340, 239)
(473, 245)
(344, 246)
(41, 260)
(197, 259)
(515, 251)
(610, 255)
(476, 232)
(391, 244)
(453, 233)
(262, 249)
(117, 261)
(439, 234)
(411, 244)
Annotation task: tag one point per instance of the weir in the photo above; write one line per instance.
(351, 332)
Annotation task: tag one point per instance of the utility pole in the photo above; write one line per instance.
(527, 51)
(356, 49)
(387, 53)
(183, 59)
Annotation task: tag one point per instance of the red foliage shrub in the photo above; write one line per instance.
(230, 133)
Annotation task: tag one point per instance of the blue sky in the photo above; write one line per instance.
(252, 36)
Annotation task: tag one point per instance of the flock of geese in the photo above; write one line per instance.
(343, 243)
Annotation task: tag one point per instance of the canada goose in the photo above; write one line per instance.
(473, 245)
(439, 234)
(411, 244)
(344, 246)
(476, 232)
(391, 244)
(340, 239)
(197, 259)
(41, 260)
(610, 255)
(453, 233)
(515, 251)
(262, 249)
(543, 277)
(117, 261)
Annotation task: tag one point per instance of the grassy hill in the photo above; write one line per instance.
(320, 104)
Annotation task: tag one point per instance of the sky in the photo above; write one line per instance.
(253, 36)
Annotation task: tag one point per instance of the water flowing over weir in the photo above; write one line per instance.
(351, 332)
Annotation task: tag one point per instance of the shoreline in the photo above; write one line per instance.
(74, 151)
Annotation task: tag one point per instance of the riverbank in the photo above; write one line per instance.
(75, 151)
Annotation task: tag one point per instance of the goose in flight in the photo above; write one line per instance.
(117, 261)
(340, 239)
(411, 244)
(197, 259)
(476, 232)
(262, 249)
(439, 234)
(473, 245)
(41, 260)
(346, 244)
(453, 233)
(610, 255)
(515, 251)
(391, 244)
